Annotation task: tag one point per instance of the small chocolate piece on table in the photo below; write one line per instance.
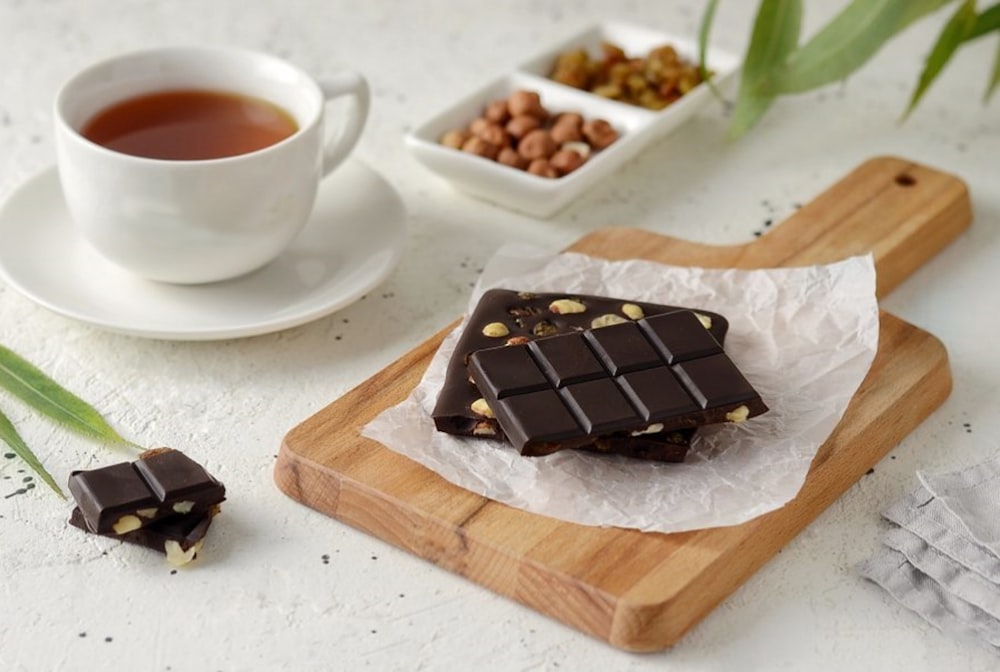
(179, 537)
(665, 371)
(509, 317)
(124, 497)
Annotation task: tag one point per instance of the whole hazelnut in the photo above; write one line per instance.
(497, 112)
(599, 133)
(566, 161)
(542, 168)
(527, 102)
(538, 144)
(477, 125)
(521, 125)
(493, 133)
(479, 147)
(567, 128)
(455, 138)
(508, 156)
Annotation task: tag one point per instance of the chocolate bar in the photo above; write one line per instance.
(124, 497)
(660, 373)
(179, 537)
(508, 317)
(652, 445)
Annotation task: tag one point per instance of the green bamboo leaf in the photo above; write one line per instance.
(775, 34)
(28, 383)
(707, 18)
(848, 41)
(10, 436)
(954, 33)
(986, 22)
(995, 77)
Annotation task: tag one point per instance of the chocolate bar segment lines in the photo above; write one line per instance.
(173, 476)
(664, 372)
(509, 317)
(566, 361)
(130, 495)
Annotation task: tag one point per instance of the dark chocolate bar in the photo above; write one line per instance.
(658, 446)
(508, 317)
(126, 496)
(179, 537)
(663, 372)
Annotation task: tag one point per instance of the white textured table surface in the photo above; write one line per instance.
(282, 587)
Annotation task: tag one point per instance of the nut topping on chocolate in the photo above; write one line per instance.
(651, 429)
(126, 523)
(484, 428)
(738, 414)
(544, 328)
(705, 320)
(177, 556)
(183, 507)
(496, 330)
(633, 312)
(607, 320)
(480, 407)
(567, 306)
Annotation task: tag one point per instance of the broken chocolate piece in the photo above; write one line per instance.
(130, 495)
(529, 316)
(665, 372)
(179, 537)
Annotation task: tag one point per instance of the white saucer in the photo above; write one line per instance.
(353, 240)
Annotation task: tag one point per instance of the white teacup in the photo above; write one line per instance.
(204, 220)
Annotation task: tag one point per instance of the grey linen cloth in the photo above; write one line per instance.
(940, 556)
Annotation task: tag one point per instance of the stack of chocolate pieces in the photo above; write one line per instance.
(164, 501)
(549, 372)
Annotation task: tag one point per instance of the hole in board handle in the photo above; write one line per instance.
(905, 180)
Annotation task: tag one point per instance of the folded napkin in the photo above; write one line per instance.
(939, 557)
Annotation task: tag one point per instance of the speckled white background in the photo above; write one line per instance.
(280, 587)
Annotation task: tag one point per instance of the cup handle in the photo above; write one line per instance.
(345, 84)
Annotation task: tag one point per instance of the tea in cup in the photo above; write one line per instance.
(192, 164)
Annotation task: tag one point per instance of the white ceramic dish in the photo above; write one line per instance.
(637, 126)
(353, 240)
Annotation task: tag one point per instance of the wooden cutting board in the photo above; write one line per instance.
(642, 591)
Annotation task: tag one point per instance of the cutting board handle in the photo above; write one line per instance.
(900, 211)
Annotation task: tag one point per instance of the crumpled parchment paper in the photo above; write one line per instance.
(804, 337)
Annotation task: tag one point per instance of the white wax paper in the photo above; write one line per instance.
(804, 337)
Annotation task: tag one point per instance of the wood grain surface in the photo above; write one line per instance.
(643, 591)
